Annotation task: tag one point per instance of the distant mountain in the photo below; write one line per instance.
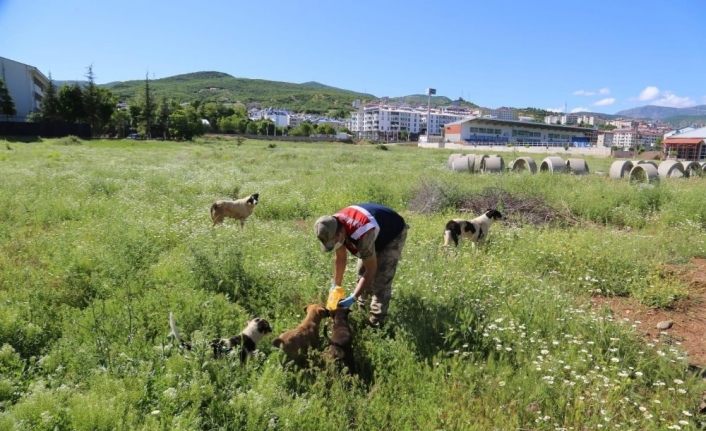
(221, 87)
(59, 84)
(661, 112)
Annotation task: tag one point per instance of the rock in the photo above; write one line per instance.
(665, 324)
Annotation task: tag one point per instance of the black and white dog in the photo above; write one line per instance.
(474, 230)
(247, 339)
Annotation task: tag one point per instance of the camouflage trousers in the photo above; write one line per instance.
(380, 291)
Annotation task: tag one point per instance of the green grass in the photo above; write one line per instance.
(100, 240)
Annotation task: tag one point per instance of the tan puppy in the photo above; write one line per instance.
(296, 342)
(239, 209)
(340, 347)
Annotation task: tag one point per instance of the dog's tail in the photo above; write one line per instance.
(277, 342)
(174, 333)
(452, 232)
(213, 211)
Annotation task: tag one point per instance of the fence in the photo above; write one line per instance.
(44, 129)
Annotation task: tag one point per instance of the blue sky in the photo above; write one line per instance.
(599, 55)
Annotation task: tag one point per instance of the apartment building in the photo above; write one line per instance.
(391, 122)
(26, 85)
(574, 119)
(605, 139)
(502, 113)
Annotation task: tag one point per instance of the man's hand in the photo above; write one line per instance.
(347, 302)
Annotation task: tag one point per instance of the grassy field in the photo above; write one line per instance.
(100, 240)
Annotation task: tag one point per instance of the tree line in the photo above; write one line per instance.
(152, 117)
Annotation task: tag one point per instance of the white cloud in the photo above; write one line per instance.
(579, 109)
(649, 93)
(602, 91)
(671, 100)
(605, 102)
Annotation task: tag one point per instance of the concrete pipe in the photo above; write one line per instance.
(552, 164)
(493, 164)
(478, 163)
(620, 169)
(452, 157)
(640, 162)
(644, 173)
(670, 169)
(577, 166)
(462, 164)
(524, 164)
(692, 169)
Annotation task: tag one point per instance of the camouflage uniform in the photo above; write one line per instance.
(381, 288)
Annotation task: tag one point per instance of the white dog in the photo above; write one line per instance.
(474, 230)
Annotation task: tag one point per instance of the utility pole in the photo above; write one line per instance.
(430, 91)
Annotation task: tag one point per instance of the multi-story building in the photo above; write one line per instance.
(280, 117)
(492, 131)
(605, 139)
(624, 138)
(571, 119)
(389, 122)
(623, 124)
(26, 85)
(503, 113)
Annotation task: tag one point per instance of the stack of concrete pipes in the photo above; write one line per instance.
(495, 164)
(647, 171)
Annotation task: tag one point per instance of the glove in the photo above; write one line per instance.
(346, 302)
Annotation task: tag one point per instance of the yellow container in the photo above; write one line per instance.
(335, 295)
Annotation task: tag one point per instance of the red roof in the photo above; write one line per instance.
(683, 141)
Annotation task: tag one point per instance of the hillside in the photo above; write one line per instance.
(661, 112)
(423, 99)
(686, 120)
(221, 87)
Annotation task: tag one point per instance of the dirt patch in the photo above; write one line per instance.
(518, 209)
(688, 315)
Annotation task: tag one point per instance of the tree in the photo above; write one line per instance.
(7, 105)
(71, 107)
(146, 109)
(119, 124)
(326, 129)
(184, 123)
(303, 129)
(50, 103)
(164, 110)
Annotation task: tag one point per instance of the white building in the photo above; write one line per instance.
(389, 122)
(571, 119)
(605, 139)
(502, 113)
(279, 117)
(491, 131)
(623, 124)
(624, 138)
(26, 85)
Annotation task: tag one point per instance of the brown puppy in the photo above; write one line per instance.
(296, 342)
(341, 342)
(238, 209)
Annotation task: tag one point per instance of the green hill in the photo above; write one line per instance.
(224, 88)
(422, 100)
(680, 121)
